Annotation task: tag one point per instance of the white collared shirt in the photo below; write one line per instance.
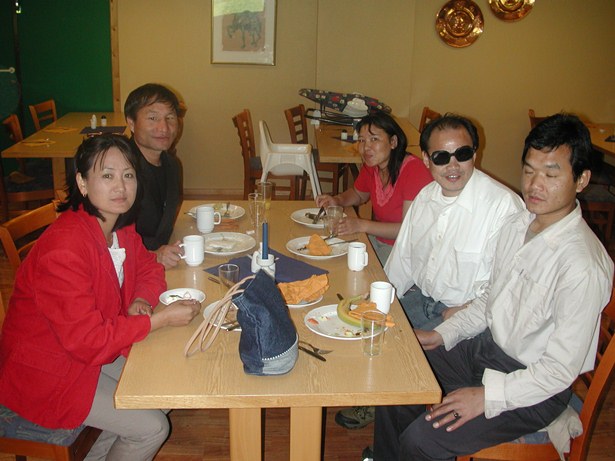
(543, 308)
(446, 244)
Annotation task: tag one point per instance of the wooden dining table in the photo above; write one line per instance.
(333, 149)
(599, 132)
(158, 375)
(59, 141)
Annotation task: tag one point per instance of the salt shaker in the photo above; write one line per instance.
(103, 120)
(93, 122)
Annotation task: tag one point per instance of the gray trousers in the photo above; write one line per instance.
(401, 432)
(133, 435)
(424, 312)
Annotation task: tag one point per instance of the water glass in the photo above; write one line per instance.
(228, 275)
(266, 189)
(373, 324)
(332, 218)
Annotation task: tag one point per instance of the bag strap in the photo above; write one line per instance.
(210, 327)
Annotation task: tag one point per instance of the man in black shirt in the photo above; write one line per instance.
(152, 115)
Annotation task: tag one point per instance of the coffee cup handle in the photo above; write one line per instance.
(392, 294)
(182, 256)
(219, 217)
(365, 259)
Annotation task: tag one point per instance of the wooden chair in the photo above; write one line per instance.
(21, 195)
(297, 126)
(43, 112)
(597, 200)
(19, 234)
(427, 116)
(598, 380)
(252, 166)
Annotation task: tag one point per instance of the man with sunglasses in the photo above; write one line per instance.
(507, 363)
(442, 257)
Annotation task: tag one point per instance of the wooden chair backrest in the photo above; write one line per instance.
(43, 112)
(297, 125)
(533, 119)
(14, 128)
(245, 130)
(599, 379)
(11, 232)
(427, 116)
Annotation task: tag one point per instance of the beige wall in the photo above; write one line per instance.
(559, 57)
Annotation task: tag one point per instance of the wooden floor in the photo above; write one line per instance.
(203, 435)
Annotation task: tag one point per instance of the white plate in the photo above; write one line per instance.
(235, 211)
(336, 250)
(300, 217)
(228, 243)
(324, 322)
(304, 304)
(230, 315)
(176, 294)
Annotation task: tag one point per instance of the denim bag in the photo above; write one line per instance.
(269, 340)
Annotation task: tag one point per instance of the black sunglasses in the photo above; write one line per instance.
(443, 157)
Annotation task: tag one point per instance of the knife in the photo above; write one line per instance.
(312, 353)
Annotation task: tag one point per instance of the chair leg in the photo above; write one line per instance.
(346, 176)
(304, 181)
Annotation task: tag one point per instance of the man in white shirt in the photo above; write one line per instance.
(443, 254)
(507, 362)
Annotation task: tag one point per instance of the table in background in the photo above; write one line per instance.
(63, 145)
(599, 132)
(331, 148)
(157, 375)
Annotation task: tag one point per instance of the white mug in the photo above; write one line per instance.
(357, 256)
(383, 294)
(194, 249)
(206, 219)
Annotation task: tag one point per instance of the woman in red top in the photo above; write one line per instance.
(390, 177)
(82, 297)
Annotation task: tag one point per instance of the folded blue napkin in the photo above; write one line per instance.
(286, 269)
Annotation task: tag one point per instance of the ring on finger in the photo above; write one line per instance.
(456, 415)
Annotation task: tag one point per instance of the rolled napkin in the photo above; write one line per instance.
(317, 246)
(307, 290)
(369, 306)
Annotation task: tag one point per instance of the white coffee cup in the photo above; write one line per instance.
(206, 218)
(383, 294)
(357, 256)
(194, 249)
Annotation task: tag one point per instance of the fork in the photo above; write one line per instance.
(314, 348)
(227, 213)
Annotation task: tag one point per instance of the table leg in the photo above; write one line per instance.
(245, 433)
(305, 433)
(58, 168)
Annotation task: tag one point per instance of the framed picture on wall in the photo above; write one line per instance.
(243, 31)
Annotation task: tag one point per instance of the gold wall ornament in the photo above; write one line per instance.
(459, 23)
(511, 10)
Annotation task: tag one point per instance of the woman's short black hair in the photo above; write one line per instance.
(563, 130)
(91, 151)
(388, 124)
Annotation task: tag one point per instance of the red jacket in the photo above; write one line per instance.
(67, 318)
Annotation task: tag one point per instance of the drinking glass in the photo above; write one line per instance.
(332, 218)
(266, 189)
(228, 275)
(256, 207)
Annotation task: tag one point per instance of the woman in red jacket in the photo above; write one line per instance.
(82, 297)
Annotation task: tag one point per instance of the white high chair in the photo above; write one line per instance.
(286, 159)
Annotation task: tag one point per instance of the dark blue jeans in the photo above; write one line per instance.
(401, 432)
(423, 311)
